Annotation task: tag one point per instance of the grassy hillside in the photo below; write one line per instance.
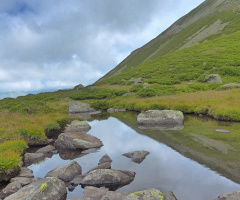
(212, 19)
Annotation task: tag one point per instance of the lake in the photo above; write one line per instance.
(164, 168)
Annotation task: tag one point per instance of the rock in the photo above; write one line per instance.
(6, 176)
(46, 149)
(162, 127)
(76, 141)
(105, 159)
(69, 154)
(23, 180)
(93, 193)
(25, 172)
(137, 156)
(77, 125)
(30, 158)
(161, 117)
(10, 189)
(83, 108)
(41, 142)
(136, 80)
(222, 130)
(145, 85)
(230, 196)
(230, 85)
(127, 94)
(151, 194)
(78, 87)
(113, 110)
(50, 188)
(108, 178)
(213, 78)
(66, 172)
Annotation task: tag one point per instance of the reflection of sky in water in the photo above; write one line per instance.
(164, 168)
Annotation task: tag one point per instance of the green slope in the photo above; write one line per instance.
(211, 20)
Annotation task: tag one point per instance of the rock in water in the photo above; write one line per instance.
(230, 196)
(50, 188)
(161, 117)
(137, 156)
(66, 172)
(46, 149)
(78, 126)
(108, 178)
(30, 158)
(105, 159)
(213, 78)
(77, 140)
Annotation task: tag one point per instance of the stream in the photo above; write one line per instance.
(164, 168)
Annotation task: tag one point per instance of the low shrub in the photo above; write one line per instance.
(32, 134)
(52, 129)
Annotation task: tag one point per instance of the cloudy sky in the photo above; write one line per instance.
(50, 45)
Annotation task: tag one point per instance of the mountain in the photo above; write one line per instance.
(203, 41)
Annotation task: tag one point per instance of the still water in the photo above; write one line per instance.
(164, 168)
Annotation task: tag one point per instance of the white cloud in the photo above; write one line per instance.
(58, 44)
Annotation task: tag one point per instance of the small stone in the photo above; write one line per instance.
(222, 130)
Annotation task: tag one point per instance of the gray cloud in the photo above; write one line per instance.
(58, 44)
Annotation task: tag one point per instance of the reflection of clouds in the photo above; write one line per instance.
(163, 168)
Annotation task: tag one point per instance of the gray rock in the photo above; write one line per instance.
(213, 78)
(222, 130)
(23, 180)
(30, 158)
(105, 159)
(127, 94)
(79, 87)
(136, 80)
(41, 142)
(230, 196)
(78, 126)
(90, 150)
(6, 176)
(161, 117)
(76, 141)
(25, 172)
(66, 172)
(10, 189)
(145, 85)
(108, 178)
(113, 110)
(137, 156)
(230, 85)
(50, 188)
(46, 149)
(80, 107)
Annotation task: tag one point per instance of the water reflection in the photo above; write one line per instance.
(164, 168)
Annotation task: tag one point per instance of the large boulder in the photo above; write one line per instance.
(50, 188)
(77, 125)
(108, 178)
(161, 117)
(81, 108)
(230, 196)
(76, 141)
(66, 172)
(213, 78)
(137, 156)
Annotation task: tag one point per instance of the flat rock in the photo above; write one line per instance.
(80, 107)
(50, 188)
(222, 130)
(41, 142)
(10, 189)
(137, 156)
(46, 149)
(113, 110)
(66, 172)
(108, 178)
(23, 180)
(30, 158)
(76, 141)
(77, 126)
(230, 196)
(25, 172)
(161, 117)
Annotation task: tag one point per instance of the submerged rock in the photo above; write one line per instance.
(50, 188)
(161, 117)
(230, 196)
(108, 178)
(76, 141)
(77, 126)
(66, 172)
(137, 156)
